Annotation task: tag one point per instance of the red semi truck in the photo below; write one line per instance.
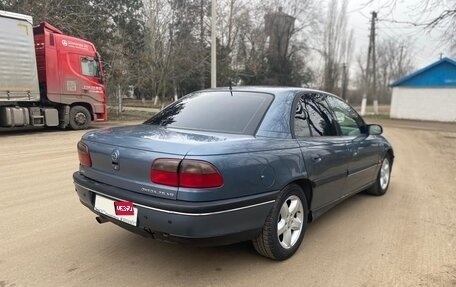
(47, 78)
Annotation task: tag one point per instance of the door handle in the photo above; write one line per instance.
(316, 158)
(354, 150)
(85, 90)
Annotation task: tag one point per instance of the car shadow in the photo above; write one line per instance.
(182, 258)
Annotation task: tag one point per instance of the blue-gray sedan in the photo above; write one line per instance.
(228, 165)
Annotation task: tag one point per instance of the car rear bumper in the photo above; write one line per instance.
(204, 223)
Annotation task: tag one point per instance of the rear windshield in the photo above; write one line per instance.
(222, 112)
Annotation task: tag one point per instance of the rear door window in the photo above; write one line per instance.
(239, 113)
(320, 119)
(301, 125)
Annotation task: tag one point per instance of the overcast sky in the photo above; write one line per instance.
(425, 45)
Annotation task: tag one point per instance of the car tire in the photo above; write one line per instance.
(285, 226)
(79, 118)
(380, 187)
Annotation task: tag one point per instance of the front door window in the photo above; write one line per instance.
(89, 67)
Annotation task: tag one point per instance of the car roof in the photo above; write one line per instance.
(264, 89)
(276, 121)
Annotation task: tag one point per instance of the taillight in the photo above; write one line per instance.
(185, 173)
(199, 174)
(164, 171)
(84, 155)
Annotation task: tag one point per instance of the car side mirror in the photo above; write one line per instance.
(374, 130)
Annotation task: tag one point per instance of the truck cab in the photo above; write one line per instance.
(69, 71)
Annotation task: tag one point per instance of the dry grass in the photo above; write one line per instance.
(128, 115)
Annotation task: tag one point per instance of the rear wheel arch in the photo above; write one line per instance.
(284, 228)
(306, 186)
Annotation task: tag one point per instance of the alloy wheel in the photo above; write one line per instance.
(290, 222)
(385, 174)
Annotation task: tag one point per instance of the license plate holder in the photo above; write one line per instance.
(107, 207)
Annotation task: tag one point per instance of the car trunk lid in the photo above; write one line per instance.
(123, 156)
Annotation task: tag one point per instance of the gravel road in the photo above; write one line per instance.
(405, 238)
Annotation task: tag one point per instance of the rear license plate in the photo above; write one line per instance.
(124, 208)
(120, 210)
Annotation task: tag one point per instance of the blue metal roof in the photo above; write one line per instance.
(439, 74)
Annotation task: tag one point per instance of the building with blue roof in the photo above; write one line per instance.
(427, 94)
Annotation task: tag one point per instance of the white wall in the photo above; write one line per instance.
(432, 104)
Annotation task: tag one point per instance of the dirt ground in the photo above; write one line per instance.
(405, 238)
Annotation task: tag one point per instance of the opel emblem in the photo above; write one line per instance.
(115, 156)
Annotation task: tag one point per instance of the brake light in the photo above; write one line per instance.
(84, 154)
(164, 171)
(185, 173)
(199, 174)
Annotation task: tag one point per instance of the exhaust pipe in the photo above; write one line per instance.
(101, 220)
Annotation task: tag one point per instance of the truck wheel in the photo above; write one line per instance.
(285, 226)
(79, 118)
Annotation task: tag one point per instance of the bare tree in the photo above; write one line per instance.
(156, 57)
(285, 25)
(250, 58)
(393, 62)
(337, 44)
(431, 14)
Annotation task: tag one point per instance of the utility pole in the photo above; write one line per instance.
(213, 45)
(119, 98)
(344, 81)
(202, 70)
(374, 65)
(369, 87)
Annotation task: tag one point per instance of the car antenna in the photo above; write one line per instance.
(231, 88)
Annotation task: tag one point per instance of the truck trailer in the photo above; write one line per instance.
(48, 79)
